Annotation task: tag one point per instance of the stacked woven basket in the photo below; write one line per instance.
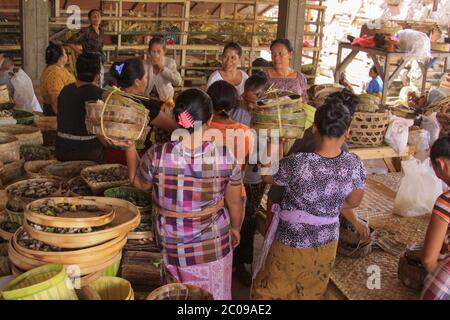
(118, 117)
(410, 270)
(280, 110)
(48, 126)
(85, 234)
(350, 243)
(369, 123)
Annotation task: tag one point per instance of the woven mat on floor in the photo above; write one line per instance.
(390, 180)
(350, 275)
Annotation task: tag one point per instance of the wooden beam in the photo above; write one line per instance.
(194, 5)
(134, 6)
(245, 6)
(65, 4)
(216, 8)
(266, 9)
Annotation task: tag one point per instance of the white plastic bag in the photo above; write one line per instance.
(397, 133)
(431, 124)
(419, 189)
(24, 97)
(415, 44)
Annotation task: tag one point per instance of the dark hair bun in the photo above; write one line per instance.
(197, 103)
(332, 119)
(440, 149)
(348, 98)
(127, 72)
(53, 53)
(224, 96)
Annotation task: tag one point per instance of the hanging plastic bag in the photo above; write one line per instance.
(397, 133)
(415, 44)
(431, 124)
(24, 97)
(419, 189)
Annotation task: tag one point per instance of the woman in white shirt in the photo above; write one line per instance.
(162, 71)
(231, 60)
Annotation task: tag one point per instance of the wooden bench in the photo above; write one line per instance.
(386, 153)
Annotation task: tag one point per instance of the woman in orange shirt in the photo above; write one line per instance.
(236, 136)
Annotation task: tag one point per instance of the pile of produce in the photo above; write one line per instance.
(108, 175)
(33, 189)
(6, 115)
(33, 152)
(105, 176)
(78, 187)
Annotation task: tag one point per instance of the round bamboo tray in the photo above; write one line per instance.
(22, 201)
(88, 279)
(46, 123)
(33, 168)
(113, 269)
(180, 291)
(48, 282)
(126, 192)
(30, 152)
(85, 268)
(100, 187)
(71, 219)
(75, 180)
(66, 170)
(25, 134)
(87, 255)
(368, 129)
(9, 148)
(411, 273)
(23, 117)
(5, 268)
(12, 171)
(113, 288)
(14, 216)
(127, 218)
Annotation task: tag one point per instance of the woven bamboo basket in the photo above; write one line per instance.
(126, 192)
(49, 282)
(45, 123)
(88, 255)
(78, 219)
(23, 117)
(386, 30)
(4, 94)
(21, 202)
(9, 148)
(348, 234)
(14, 216)
(12, 171)
(180, 291)
(4, 263)
(66, 170)
(113, 269)
(25, 134)
(30, 152)
(4, 234)
(113, 288)
(100, 187)
(87, 293)
(411, 273)
(127, 218)
(285, 113)
(368, 129)
(118, 117)
(78, 180)
(33, 168)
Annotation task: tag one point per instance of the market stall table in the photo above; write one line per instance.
(384, 152)
(388, 57)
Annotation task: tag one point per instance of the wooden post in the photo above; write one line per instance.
(184, 36)
(34, 29)
(291, 20)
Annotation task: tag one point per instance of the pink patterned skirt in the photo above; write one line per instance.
(215, 277)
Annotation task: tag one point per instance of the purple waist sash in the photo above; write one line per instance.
(295, 216)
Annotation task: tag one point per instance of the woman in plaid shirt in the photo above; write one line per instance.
(191, 181)
(437, 284)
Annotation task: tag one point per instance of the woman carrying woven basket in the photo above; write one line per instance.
(231, 60)
(437, 239)
(191, 181)
(301, 243)
(132, 77)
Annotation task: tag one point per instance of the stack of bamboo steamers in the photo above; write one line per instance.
(85, 234)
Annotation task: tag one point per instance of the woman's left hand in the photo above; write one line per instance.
(235, 237)
(121, 143)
